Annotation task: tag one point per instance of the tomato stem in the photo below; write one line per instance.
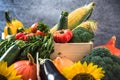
(61, 32)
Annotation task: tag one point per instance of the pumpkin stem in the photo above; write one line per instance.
(112, 41)
(31, 60)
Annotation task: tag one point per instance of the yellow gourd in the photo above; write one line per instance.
(9, 25)
(17, 23)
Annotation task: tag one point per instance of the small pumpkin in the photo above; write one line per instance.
(62, 62)
(111, 45)
(26, 68)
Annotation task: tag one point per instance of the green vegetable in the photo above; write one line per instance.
(63, 21)
(12, 53)
(4, 45)
(43, 45)
(81, 34)
(43, 27)
(103, 58)
(50, 72)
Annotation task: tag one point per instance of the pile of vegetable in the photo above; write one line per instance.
(75, 27)
(27, 50)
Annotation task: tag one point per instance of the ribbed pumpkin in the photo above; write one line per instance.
(26, 68)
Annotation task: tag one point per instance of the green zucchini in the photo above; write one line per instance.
(63, 21)
(11, 54)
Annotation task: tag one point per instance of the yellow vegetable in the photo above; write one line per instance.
(13, 25)
(90, 25)
(9, 26)
(77, 16)
(17, 23)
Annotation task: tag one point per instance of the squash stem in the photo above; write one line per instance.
(31, 60)
(7, 17)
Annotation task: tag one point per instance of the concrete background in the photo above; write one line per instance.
(107, 13)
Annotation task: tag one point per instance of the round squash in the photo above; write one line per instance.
(26, 68)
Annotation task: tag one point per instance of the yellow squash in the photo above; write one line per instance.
(17, 23)
(11, 26)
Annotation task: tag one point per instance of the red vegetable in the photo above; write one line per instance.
(34, 27)
(111, 46)
(62, 36)
(26, 68)
(20, 36)
(38, 32)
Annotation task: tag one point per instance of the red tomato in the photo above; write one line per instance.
(62, 36)
(30, 34)
(20, 36)
(34, 27)
(25, 38)
(38, 32)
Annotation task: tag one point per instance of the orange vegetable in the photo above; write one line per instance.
(62, 62)
(111, 45)
(26, 68)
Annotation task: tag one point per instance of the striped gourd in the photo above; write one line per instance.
(77, 16)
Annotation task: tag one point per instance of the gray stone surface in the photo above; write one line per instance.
(107, 13)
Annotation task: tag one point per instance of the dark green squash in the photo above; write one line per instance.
(63, 21)
(12, 52)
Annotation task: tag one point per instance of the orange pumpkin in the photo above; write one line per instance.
(62, 62)
(111, 45)
(26, 68)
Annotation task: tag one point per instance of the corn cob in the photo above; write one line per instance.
(77, 16)
(90, 25)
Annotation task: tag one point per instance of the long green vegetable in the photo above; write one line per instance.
(12, 52)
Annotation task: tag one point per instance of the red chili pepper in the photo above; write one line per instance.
(62, 36)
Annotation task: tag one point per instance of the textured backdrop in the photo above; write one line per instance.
(107, 13)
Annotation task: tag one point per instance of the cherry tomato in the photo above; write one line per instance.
(62, 36)
(30, 34)
(26, 37)
(34, 27)
(20, 36)
(38, 32)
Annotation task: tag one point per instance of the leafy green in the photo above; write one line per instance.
(43, 27)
